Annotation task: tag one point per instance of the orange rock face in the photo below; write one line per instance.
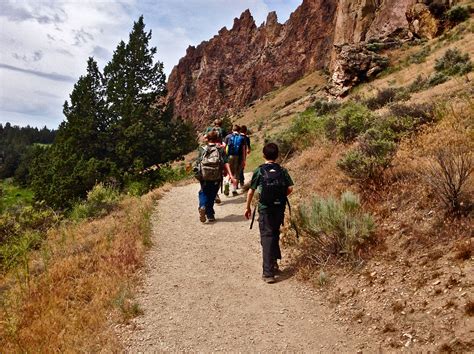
(242, 64)
(239, 65)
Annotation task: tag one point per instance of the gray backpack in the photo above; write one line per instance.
(209, 167)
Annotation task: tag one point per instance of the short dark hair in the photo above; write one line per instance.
(236, 128)
(270, 151)
(243, 129)
(212, 137)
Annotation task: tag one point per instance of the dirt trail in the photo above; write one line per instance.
(203, 290)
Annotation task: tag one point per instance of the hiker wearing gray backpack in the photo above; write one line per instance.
(274, 184)
(237, 152)
(208, 169)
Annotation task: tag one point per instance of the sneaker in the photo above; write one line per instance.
(269, 280)
(211, 219)
(202, 214)
(218, 200)
(276, 268)
(226, 189)
(234, 193)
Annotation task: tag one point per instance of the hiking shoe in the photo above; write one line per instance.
(218, 200)
(211, 219)
(276, 268)
(269, 280)
(226, 189)
(234, 193)
(202, 214)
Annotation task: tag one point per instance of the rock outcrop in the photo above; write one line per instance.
(354, 63)
(241, 64)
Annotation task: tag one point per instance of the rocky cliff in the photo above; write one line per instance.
(239, 65)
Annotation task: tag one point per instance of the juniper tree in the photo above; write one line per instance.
(136, 88)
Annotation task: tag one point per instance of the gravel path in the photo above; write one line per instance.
(202, 289)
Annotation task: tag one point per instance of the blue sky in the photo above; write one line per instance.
(45, 43)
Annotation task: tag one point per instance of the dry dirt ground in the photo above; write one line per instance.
(202, 290)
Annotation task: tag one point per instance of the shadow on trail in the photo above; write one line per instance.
(239, 199)
(285, 274)
(233, 218)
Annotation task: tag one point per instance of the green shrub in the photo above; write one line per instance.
(371, 158)
(350, 121)
(420, 56)
(453, 62)
(168, 173)
(458, 14)
(418, 114)
(419, 84)
(334, 228)
(437, 79)
(382, 98)
(304, 129)
(386, 96)
(137, 188)
(100, 201)
(16, 251)
(322, 107)
(21, 230)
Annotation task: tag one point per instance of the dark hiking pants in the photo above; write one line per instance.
(269, 222)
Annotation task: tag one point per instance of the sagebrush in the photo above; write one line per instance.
(334, 228)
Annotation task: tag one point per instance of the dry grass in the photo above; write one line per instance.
(284, 102)
(83, 281)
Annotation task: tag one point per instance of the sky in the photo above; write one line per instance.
(45, 44)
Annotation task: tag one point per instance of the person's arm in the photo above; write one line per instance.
(229, 172)
(248, 208)
(289, 190)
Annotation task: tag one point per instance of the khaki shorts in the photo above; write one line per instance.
(235, 164)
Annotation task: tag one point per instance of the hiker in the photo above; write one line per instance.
(243, 132)
(274, 185)
(209, 166)
(217, 127)
(237, 152)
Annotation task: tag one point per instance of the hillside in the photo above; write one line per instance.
(241, 64)
(412, 286)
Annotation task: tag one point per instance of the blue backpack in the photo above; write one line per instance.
(236, 144)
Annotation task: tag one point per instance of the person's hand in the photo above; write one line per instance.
(248, 213)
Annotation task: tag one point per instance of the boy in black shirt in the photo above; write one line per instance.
(274, 185)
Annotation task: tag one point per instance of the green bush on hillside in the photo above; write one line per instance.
(458, 14)
(350, 121)
(420, 114)
(304, 129)
(21, 230)
(334, 228)
(371, 158)
(386, 96)
(453, 62)
(100, 201)
(322, 107)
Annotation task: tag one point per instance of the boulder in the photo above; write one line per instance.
(354, 64)
(421, 21)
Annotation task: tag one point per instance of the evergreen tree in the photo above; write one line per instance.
(86, 123)
(136, 88)
(78, 158)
